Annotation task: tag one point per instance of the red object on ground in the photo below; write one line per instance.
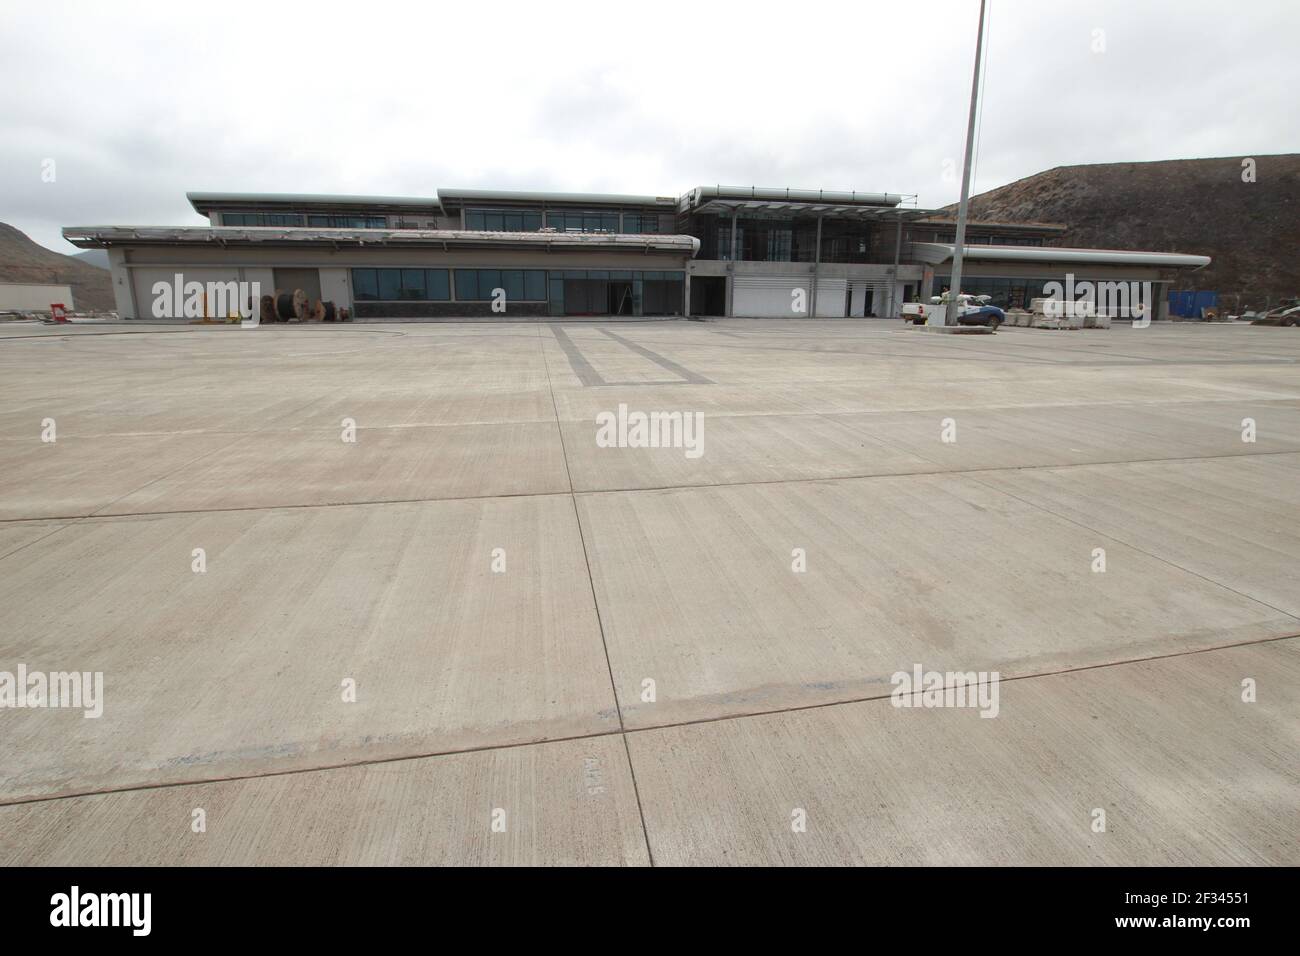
(59, 313)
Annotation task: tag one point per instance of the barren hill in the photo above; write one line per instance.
(22, 260)
(1251, 230)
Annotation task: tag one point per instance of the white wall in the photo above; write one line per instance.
(334, 287)
(145, 278)
(33, 296)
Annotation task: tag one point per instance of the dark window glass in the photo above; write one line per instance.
(512, 280)
(365, 285)
(466, 285)
(488, 279)
(514, 222)
(535, 285)
(473, 219)
(390, 284)
(412, 283)
(493, 221)
(532, 221)
(437, 284)
(318, 220)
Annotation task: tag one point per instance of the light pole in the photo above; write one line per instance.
(954, 297)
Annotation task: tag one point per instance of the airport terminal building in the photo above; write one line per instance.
(714, 251)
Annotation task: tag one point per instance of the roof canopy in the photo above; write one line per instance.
(454, 198)
(703, 194)
(809, 210)
(102, 237)
(935, 253)
(203, 203)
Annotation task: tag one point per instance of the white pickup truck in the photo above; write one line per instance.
(973, 310)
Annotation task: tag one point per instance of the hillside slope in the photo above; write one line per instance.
(1251, 230)
(22, 260)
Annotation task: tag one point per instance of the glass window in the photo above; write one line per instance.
(488, 279)
(390, 284)
(412, 283)
(556, 283)
(365, 285)
(436, 283)
(504, 220)
(466, 285)
(512, 280)
(535, 285)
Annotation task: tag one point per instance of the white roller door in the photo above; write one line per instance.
(144, 280)
(770, 296)
(831, 297)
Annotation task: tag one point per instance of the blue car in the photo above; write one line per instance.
(989, 315)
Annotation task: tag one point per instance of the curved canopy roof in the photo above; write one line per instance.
(938, 252)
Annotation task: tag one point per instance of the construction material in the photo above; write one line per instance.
(291, 307)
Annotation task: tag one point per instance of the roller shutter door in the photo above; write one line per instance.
(768, 296)
(831, 298)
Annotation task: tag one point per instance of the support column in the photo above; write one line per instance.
(731, 279)
(893, 275)
(1160, 307)
(817, 261)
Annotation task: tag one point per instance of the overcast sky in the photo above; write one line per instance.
(138, 102)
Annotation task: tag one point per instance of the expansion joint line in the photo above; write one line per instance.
(595, 603)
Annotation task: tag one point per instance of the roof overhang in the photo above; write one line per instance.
(798, 209)
(103, 237)
(996, 225)
(934, 253)
(703, 194)
(455, 198)
(204, 202)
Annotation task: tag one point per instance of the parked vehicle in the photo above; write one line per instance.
(972, 310)
(1288, 313)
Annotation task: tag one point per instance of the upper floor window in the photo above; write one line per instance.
(345, 221)
(582, 220)
(503, 220)
(635, 222)
(260, 219)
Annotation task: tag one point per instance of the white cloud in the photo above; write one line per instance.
(138, 103)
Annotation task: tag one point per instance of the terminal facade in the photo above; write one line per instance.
(502, 254)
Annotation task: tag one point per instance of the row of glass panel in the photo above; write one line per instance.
(514, 220)
(477, 285)
(615, 292)
(434, 285)
(295, 219)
